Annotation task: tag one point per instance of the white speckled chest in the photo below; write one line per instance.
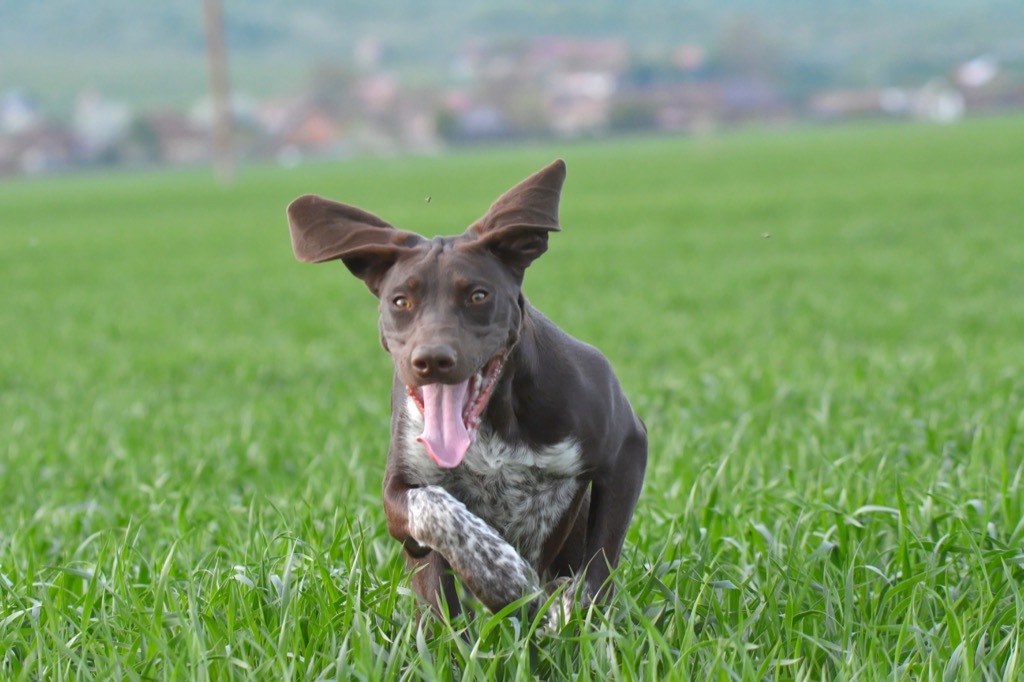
(520, 492)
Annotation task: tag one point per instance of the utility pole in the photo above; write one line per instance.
(220, 91)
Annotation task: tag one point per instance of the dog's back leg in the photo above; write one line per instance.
(434, 581)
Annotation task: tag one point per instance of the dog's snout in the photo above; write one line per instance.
(433, 362)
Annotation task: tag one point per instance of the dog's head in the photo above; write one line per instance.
(450, 307)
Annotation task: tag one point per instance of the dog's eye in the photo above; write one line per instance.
(478, 296)
(401, 302)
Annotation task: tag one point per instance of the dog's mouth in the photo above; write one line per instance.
(452, 412)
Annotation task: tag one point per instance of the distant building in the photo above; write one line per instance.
(18, 113)
(180, 141)
(577, 54)
(937, 101)
(43, 148)
(693, 107)
(99, 123)
(580, 102)
(843, 104)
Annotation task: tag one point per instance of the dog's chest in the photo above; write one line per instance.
(522, 493)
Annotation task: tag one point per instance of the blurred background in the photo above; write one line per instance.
(115, 83)
(793, 226)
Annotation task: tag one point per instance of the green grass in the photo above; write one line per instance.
(822, 329)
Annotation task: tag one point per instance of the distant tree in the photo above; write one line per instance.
(332, 86)
(447, 124)
(139, 146)
(745, 50)
(629, 115)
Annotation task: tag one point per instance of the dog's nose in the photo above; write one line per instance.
(433, 361)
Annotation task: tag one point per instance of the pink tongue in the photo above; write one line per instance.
(444, 433)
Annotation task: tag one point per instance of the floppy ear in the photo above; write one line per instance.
(324, 230)
(516, 226)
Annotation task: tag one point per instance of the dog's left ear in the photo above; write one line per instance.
(516, 226)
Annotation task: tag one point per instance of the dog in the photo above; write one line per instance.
(515, 454)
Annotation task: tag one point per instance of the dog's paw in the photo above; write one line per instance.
(564, 593)
(436, 519)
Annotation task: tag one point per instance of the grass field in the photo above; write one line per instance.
(824, 331)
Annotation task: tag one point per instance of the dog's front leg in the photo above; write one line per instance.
(432, 577)
(613, 497)
(396, 509)
(489, 566)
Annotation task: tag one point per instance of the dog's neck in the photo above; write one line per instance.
(518, 409)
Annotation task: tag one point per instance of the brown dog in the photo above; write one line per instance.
(514, 452)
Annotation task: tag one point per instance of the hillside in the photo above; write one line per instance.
(154, 55)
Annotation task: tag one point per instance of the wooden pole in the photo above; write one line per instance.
(220, 91)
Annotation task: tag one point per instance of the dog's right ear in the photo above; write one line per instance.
(324, 230)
